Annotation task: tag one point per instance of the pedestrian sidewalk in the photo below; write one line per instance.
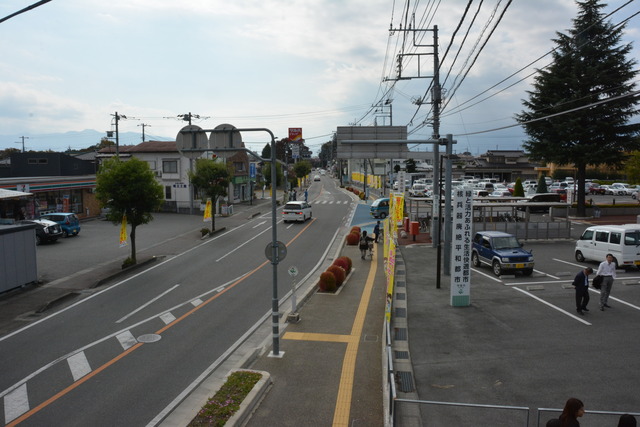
(330, 370)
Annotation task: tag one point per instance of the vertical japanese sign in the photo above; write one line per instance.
(295, 134)
(461, 247)
(123, 232)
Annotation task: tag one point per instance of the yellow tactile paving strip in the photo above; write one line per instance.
(345, 390)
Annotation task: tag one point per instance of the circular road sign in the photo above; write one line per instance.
(231, 138)
(185, 142)
(281, 251)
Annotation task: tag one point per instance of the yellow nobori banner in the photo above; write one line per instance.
(207, 212)
(123, 231)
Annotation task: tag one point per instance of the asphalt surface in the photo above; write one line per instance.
(330, 367)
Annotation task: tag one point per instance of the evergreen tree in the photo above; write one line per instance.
(579, 109)
(518, 189)
(542, 185)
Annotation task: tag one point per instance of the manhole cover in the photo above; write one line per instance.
(149, 338)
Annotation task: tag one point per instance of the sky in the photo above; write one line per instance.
(70, 65)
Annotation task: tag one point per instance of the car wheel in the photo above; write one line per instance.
(527, 272)
(383, 215)
(497, 269)
(579, 256)
(475, 260)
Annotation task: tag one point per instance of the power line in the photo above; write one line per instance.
(26, 9)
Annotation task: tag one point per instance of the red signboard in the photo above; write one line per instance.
(295, 134)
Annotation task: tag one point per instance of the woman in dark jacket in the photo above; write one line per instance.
(573, 409)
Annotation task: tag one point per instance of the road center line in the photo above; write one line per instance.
(147, 304)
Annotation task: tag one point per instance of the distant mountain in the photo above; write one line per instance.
(74, 140)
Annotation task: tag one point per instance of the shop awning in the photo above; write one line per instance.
(11, 194)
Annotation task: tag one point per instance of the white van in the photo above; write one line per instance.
(621, 241)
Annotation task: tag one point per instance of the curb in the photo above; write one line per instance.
(127, 270)
(252, 400)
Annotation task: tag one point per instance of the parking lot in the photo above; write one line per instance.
(522, 343)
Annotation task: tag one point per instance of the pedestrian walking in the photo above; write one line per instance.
(606, 269)
(376, 232)
(364, 244)
(581, 283)
(306, 195)
(295, 194)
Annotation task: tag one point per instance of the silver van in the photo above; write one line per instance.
(621, 241)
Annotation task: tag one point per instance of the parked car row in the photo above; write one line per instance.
(50, 227)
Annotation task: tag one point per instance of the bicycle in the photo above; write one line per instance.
(370, 252)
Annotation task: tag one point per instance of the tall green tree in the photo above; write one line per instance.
(579, 109)
(266, 173)
(632, 167)
(266, 152)
(211, 180)
(410, 165)
(129, 188)
(302, 168)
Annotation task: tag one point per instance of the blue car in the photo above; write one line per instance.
(502, 252)
(69, 222)
(380, 208)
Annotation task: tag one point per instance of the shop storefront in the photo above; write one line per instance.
(50, 194)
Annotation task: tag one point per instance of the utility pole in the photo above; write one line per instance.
(187, 117)
(143, 126)
(23, 138)
(117, 118)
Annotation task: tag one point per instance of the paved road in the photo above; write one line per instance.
(159, 329)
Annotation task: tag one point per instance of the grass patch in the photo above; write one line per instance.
(226, 402)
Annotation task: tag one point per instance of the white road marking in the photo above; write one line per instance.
(239, 246)
(16, 403)
(569, 263)
(108, 337)
(546, 274)
(167, 318)
(79, 365)
(126, 339)
(615, 299)
(553, 306)
(495, 279)
(196, 302)
(112, 287)
(259, 224)
(147, 304)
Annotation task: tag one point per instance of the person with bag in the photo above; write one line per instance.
(606, 269)
(581, 283)
(364, 244)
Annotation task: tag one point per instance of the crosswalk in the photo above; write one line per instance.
(331, 202)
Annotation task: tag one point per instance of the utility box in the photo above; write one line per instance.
(18, 262)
